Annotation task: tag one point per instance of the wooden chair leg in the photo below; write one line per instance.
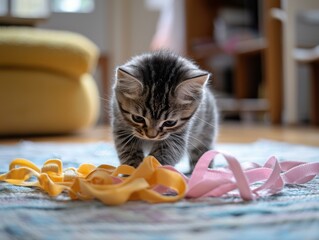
(273, 61)
(314, 93)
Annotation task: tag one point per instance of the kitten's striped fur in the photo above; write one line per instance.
(161, 104)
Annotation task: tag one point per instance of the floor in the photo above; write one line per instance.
(229, 133)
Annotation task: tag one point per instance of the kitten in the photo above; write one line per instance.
(161, 104)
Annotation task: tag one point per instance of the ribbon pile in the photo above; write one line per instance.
(154, 183)
(113, 186)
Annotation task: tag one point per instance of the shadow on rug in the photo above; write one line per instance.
(27, 213)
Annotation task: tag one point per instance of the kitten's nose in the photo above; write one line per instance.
(151, 133)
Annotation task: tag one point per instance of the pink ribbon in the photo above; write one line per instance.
(237, 179)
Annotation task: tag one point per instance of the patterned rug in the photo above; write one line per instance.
(27, 213)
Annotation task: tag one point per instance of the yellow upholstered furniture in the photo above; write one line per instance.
(45, 81)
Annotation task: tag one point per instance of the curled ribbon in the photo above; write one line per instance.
(238, 179)
(149, 182)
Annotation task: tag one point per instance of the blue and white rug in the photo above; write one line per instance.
(27, 213)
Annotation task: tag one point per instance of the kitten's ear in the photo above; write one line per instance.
(127, 84)
(191, 89)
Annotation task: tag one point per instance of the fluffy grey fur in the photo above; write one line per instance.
(161, 106)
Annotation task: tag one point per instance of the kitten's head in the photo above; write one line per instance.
(158, 93)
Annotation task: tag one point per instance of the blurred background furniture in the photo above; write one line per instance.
(289, 13)
(250, 47)
(224, 37)
(46, 86)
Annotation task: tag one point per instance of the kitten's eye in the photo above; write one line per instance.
(138, 119)
(169, 123)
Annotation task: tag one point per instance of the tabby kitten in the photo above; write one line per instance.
(161, 106)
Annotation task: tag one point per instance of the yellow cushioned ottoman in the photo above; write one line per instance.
(66, 52)
(45, 82)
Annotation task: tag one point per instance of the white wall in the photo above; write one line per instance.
(133, 27)
(94, 25)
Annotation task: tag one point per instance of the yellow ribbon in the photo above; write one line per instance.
(149, 182)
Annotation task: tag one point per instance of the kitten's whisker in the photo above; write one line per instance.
(204, 121)
(122, 133)
(193, 146)
(127, 141)
(198, 141)
(182, 142)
